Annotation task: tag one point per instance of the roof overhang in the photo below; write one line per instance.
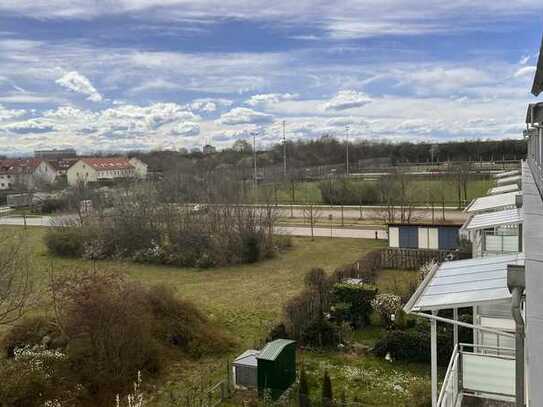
(537, 86)
(503, 189)
(507, 174)
(509, 180)
(493, 202)
(464, 283)
(493, 219)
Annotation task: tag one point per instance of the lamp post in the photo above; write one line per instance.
(254, 159)
(347, 150)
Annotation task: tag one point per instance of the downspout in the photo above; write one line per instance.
(516, 284)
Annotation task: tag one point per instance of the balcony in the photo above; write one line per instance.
(479, 376)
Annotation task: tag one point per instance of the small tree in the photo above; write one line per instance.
(387, 305)
(15, 284)
(327, 394)
(303, 390)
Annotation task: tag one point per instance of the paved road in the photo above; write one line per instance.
(326, 232)
(48, 221)
(30, 221)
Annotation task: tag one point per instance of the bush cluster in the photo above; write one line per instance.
(140, 228)
(352, 303)
(105, 331)
(413, 344)
(346, 192)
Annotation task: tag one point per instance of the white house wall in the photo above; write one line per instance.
(433, 238)
(394, 236)
(81, 172)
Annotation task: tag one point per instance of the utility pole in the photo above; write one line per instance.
(347, 150)
(254, 158)
(284, 152)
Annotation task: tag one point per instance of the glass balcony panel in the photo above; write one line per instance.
(488, 374)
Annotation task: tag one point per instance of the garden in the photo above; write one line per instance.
(344, 328)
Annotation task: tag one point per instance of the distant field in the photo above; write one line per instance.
(247, 300)
(427, 189)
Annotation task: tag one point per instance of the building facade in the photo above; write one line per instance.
(502, 284)
(91, 170)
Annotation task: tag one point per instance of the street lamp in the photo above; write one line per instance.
(254, 133)
(347, 150)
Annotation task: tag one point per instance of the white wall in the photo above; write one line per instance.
(80, 172)
(140, 168)
(433, 238)
(393, 236)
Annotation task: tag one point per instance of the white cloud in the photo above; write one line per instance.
(9, 114)
(186, 129)
(209, 105)
(242, 115)
(446, 78)
(270, 98)
(525, 71)
(32, 126)
(80, 84)
(524, 60)
(347, 99)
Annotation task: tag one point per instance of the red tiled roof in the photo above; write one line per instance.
(26, 165)
(110, 163)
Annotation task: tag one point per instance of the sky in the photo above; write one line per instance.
(120, 75)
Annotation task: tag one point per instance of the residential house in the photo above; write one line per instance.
(99, 169)
(140, 167)
(25, 173)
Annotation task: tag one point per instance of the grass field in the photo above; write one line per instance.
(247, 301)
(427, 189)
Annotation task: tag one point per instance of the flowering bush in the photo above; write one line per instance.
(386, 305)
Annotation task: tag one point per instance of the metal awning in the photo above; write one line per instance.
(503, 189)
(493, 202)
(464, 283)
(493, 219)
(509, 180)
(507, 174)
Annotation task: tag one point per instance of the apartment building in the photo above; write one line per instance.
(99, 169)
(26, 173)
(503, 286)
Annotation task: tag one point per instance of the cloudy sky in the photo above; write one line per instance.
(147, 74)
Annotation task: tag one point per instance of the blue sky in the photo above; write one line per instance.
(148, 74)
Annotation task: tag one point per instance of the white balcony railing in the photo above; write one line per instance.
(486, 372)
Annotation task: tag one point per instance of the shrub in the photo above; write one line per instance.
(322, 333)
(65, 241)
(35, 330)
(353, 303)
(250, 248)
(386, 305)
(181, 324)
(414, 344)
(52, 205)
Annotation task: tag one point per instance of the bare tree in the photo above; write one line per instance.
(312, 214)
(15, 284)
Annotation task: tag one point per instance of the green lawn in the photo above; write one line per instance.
(427, 189)
(247, 301)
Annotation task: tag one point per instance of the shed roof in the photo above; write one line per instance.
(464, 283)
(507, 174)
(509, 180)
(247, 358)
(273, 349)
(493, 202)
(503, 189)
(491, 219)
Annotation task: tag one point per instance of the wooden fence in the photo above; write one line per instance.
(414, 259)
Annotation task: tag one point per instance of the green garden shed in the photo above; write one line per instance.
(276, 367)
